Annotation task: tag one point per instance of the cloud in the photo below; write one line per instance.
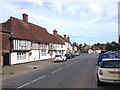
(88, 20)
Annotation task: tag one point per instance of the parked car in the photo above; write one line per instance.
(109, 54)
(109, 71)
(59, 58)
(72, 55)
(77, 53)
(101, 56)
(68, 56)
(117, 53)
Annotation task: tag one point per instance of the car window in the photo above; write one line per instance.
(57, 55)
(110, 64)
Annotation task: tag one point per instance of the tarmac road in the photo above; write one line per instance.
(79, 72)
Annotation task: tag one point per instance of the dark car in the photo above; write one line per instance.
(109, 54)
(72, 55)
(117, 53)
(68, 56)
(101, 56)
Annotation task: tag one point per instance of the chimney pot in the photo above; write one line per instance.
(54, 32)
(65, 36)
(68, 38)
(25, 17)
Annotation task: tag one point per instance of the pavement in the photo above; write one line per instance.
(8, 71)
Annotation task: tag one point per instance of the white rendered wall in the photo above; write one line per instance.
(14, 59)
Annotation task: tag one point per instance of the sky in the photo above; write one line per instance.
(85, 21)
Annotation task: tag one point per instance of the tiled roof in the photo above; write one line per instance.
(29, 31)
(56, 39)
(6, 26)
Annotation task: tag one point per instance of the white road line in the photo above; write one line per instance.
(57, 70)
(94, 81)
(69, 64)
(30, 82)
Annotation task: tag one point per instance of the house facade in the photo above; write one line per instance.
(23, 42)
(68, 46)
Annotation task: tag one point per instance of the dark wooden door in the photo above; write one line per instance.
(6, 59)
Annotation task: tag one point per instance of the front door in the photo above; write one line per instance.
(6, 59)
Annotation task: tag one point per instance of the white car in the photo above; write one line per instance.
(59, 58)
(109, 71)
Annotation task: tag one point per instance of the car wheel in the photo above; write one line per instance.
(99, 83)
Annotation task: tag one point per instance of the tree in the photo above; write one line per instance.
(111, 46)
(75, 44)
(98, 44)
(79, 47)
(85, 44)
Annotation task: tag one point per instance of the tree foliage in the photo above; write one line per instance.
(111, 46)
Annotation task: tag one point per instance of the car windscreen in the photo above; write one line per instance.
(110, 64)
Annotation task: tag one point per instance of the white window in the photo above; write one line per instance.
(43, 52)
(22, 43)
(21, 55)
(44, 46)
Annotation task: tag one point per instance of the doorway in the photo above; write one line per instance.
(5, 59)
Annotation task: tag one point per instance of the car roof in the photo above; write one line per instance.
(109, 59)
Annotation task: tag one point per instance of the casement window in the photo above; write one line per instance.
(21, 55)
(22, 43)
(44, 46)
(35, 45)
(43, 52)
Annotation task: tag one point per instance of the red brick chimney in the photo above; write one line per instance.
(68, 38)
(65, 36)
(54, 32)
(25, 17)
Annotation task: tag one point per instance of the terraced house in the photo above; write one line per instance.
(23, 42)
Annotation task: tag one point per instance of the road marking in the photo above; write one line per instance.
(31, 82)
(95, 76)
(69, 64)
(57, 70)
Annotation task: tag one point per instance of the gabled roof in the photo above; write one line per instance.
(5, 27)
(29, 31)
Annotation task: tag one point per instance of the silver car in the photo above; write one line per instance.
(59, 58)
(109, 71)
